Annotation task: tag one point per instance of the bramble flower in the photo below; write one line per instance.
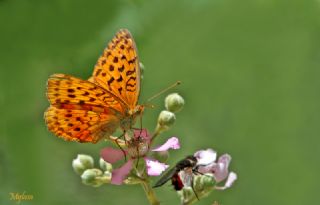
(139, 147)
(207, 164)
(195, 177)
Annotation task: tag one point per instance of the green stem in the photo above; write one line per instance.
(150, 193)
(155, 134)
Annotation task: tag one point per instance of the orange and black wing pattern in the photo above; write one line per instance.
(80, 110)
(88, 110)
(118, 71)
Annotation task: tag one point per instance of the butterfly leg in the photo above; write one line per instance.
(137, 163)
(135, 128)
(137, 147)
(124, 153)
(140, 124)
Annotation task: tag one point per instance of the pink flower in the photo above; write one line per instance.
(206, 162)
(139, 147)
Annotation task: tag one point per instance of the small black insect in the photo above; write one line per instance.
(181, 174)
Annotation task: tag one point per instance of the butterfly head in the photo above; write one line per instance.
(137, 111)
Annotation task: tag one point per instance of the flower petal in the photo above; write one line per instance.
(154, 167)
(172, 143)
(118, 175)
(231, 178)
(204, 169)
(111, 155)
(206, 157)
(220, 170)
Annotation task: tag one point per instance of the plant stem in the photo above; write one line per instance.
(149, 193)
(155, 134)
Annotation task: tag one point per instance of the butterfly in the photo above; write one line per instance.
(90, 110)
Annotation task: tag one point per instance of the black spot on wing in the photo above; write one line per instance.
(130, 72)
(110, 81)
(120, 79)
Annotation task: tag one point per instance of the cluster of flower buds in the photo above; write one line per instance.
(83, 165)
(173, 103)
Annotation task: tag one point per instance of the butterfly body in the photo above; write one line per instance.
(129, 119)
(89, 110)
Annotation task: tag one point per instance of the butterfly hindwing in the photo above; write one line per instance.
(80, 125)
(80, 110)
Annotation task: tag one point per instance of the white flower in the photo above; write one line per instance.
(206, 162)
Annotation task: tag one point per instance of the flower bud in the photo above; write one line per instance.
(105, 178)
(105, 165)
(202, 186)
(166, 120)
(186, 194)
(174, 102)
(81, 163)
(90, 177)
(204, 182)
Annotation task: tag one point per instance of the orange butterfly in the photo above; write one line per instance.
(89, 110)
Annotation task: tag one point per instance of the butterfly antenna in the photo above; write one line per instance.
(164, 90)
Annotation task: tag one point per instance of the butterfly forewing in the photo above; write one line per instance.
(118, 71)
(64, 91)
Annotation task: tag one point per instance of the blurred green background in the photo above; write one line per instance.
(250, 73)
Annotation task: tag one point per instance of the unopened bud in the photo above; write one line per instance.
(186, 194)
(174, 102)
(81, 163)
(202, 186)
(166, 120)
(106, 177)
(204, 182)
(105, 165)
(91, 177)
